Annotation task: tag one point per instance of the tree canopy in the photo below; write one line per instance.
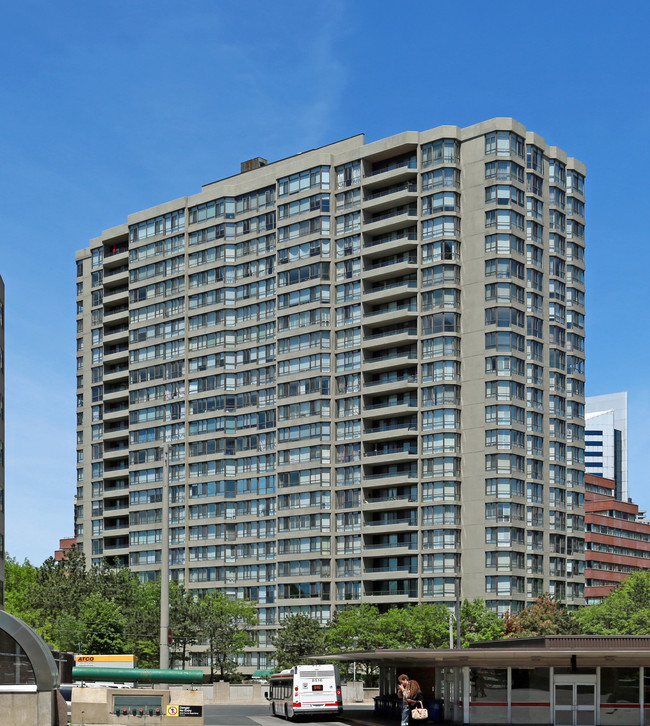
(103, 609)
(224, 621)
(299, 637)
(625, 611)
(546, 616)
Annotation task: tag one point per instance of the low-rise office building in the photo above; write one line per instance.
(617, 542)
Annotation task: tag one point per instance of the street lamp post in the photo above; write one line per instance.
(164, 565)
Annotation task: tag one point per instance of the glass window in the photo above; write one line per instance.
(504, 143)
(620, 685)
(15, 666)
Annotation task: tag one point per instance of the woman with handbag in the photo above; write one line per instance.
(411, 695)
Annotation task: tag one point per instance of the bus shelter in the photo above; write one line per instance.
(560, 680)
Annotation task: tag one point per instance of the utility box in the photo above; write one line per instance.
(136, 707)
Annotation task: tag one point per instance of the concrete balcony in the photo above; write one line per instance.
(116, 295)
(380, 573)
(389, 291)
(403, 241)
(397, 382)
(118, 276)
(391, 546)
(386, 270)
(389, 339)
(117, 258)
(393, 196)
(116, 356)
(404, 313)
(116, 528)
(390, 221)
(389, 456)
(117, 336)
(121, 431)
(390, 431)
(116, 414)
(121, 372)
(116, 313)
(391, 524)
(401, 171)
(118, 471)
(387, 595)
(118, 506)
(394, 408)
(116, 394)
(389, 504)
(390, 361)
(119, 452)
(390, 479)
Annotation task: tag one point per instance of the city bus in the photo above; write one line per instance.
(306, 689)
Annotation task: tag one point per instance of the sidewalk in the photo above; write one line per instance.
(368, 717)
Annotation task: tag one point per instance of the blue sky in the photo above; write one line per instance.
(113, 107)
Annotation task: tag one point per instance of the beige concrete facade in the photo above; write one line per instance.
(367, 363)
(2, 442)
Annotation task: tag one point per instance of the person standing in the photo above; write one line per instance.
(410, 693)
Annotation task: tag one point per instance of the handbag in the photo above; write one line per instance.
(419, 712)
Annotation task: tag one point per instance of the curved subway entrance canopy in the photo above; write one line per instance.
(26, 662)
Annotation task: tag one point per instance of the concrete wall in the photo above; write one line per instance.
(26, 709)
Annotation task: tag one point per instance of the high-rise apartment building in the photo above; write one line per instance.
(606, 439)
(2, 442)
(356, 374)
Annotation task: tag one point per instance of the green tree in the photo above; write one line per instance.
(425, 625)
(625, 611)
(477, 622)
(299, 637)
(142, 615)
(67, 632)
(104, 626)
(58, 591)
(546, 616)
(358, 628)
(19, 583)
(185, 621)
(224, 622)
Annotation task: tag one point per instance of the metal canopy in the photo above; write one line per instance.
(495, 657)
(36, 650)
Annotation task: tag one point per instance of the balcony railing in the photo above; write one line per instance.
(410, 164)
(117, 250)
(410, 235)
(385, 404)
(390, 545)
(391, 214)
(408, 425)
(388, 450)
(411, 308)
(390, 356)
(411, 260)
(387, 333)
(392, 379)
(391, 285)
(412, 188)
(394, 593)
(392, 475)
(395, 568)
(397, 498)
(408, 521)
